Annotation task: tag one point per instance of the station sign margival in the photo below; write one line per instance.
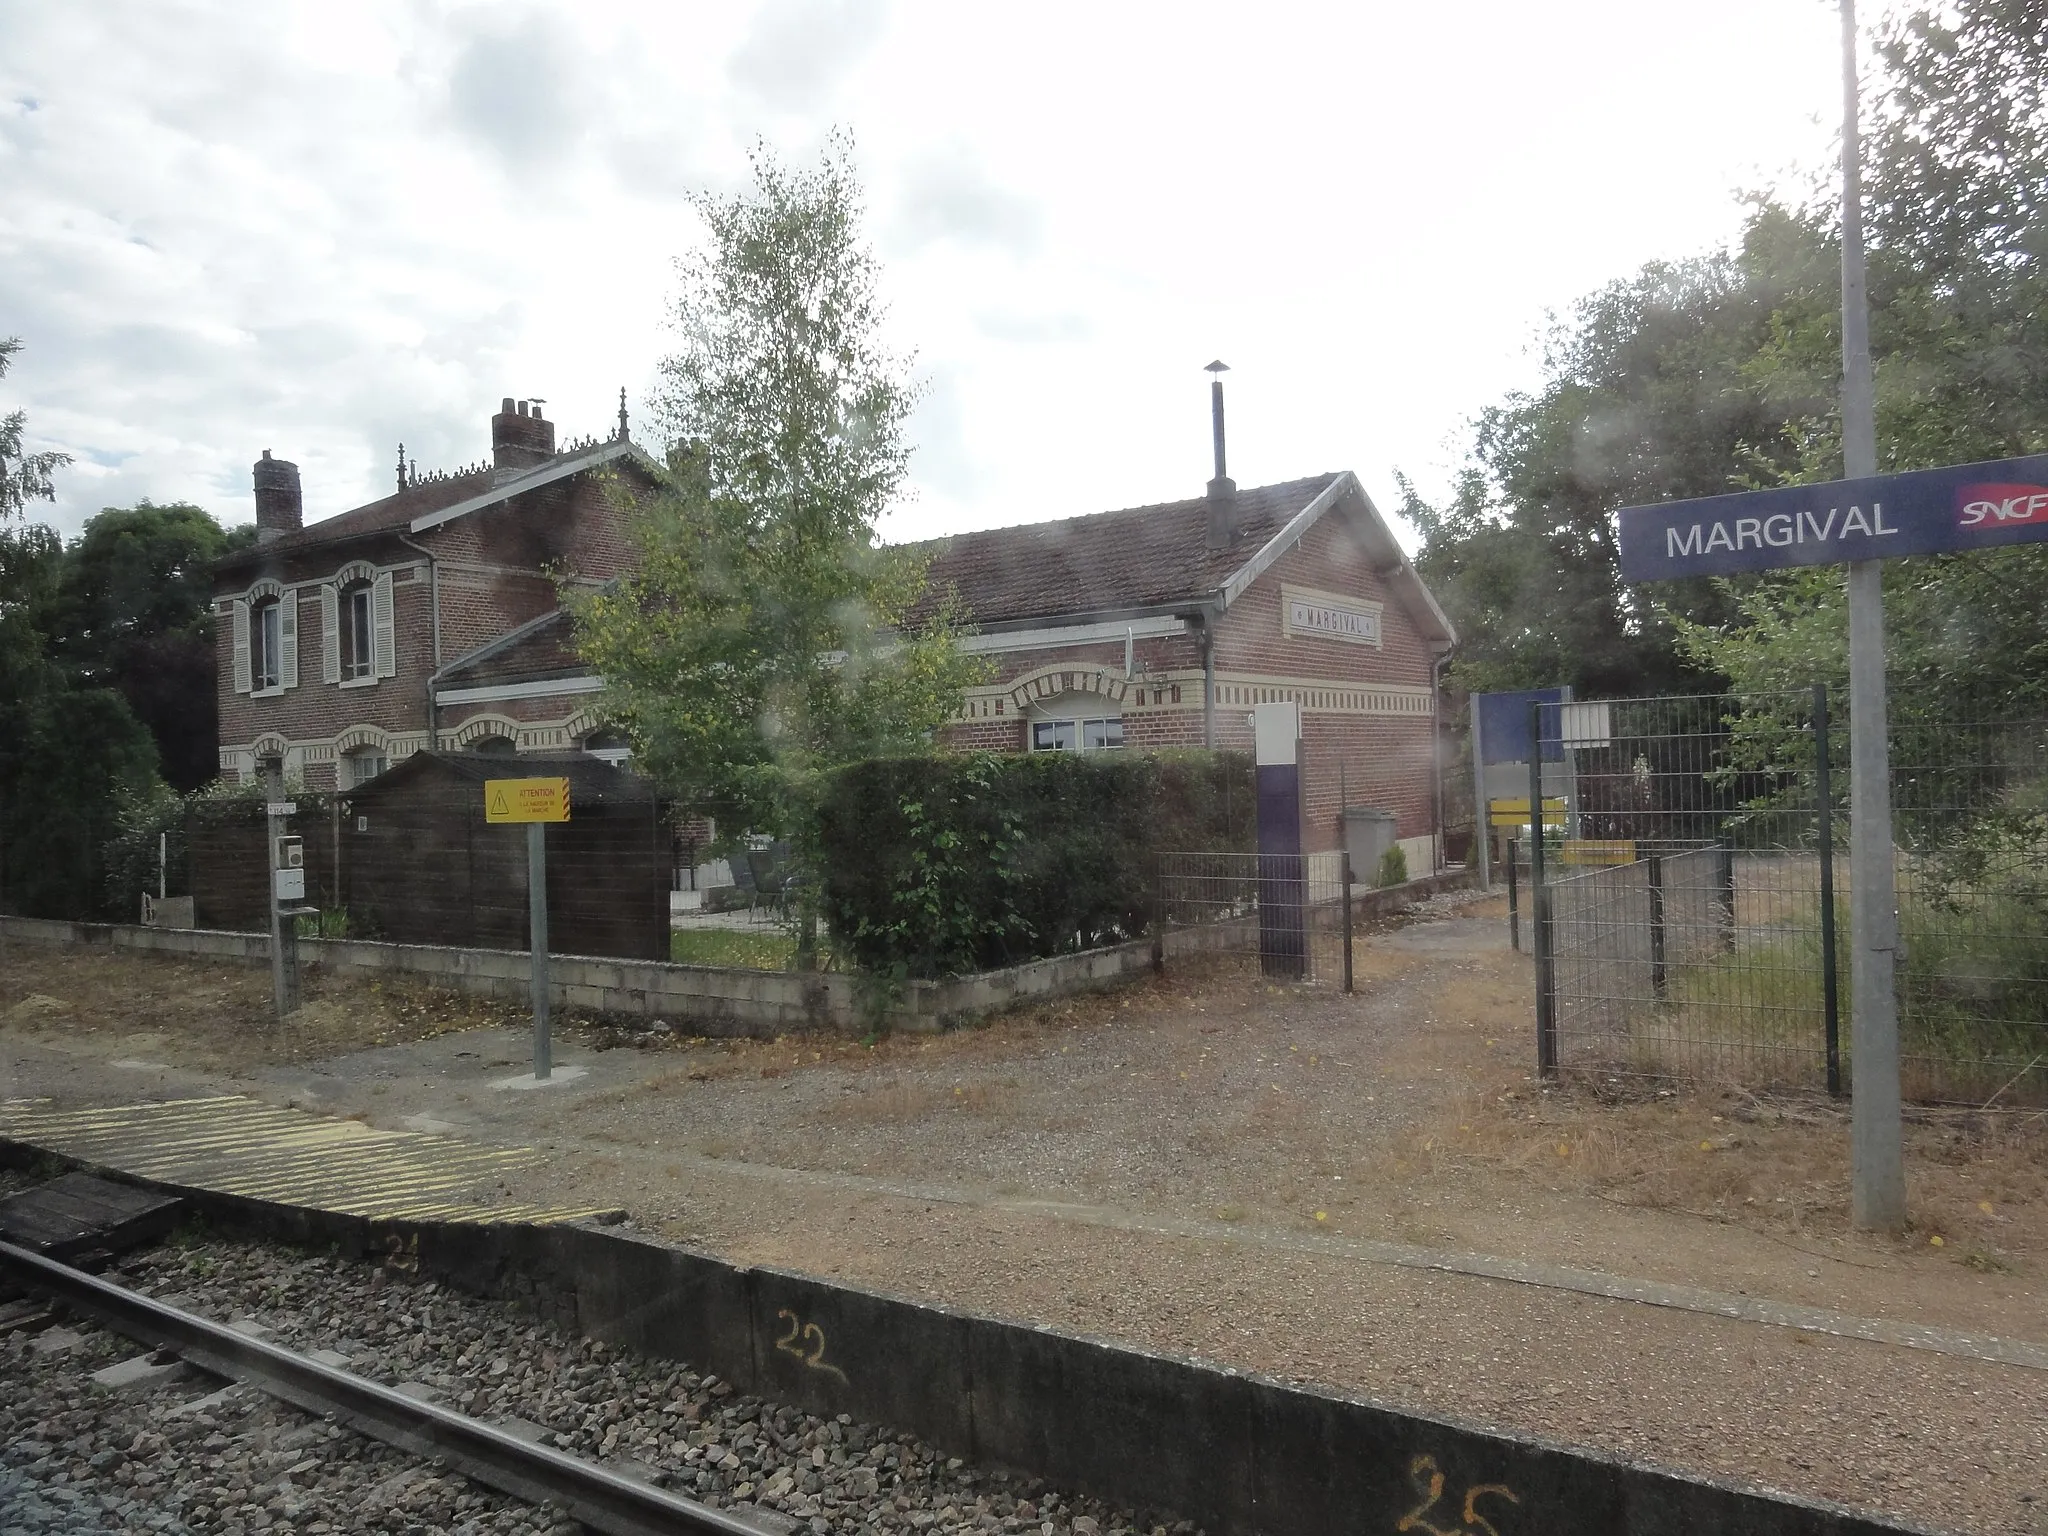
(1920, 512)
(521, 800)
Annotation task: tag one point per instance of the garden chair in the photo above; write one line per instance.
(743, 877)
(772, 877)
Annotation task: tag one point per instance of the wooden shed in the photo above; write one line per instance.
(422, 866)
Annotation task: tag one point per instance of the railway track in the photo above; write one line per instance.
(583, 1491)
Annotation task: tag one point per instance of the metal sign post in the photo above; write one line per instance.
(535, 802)
(286, 864)
(537, 925)
(1877, 1195)
(1482, 820)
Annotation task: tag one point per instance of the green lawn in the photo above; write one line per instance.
(769, 950)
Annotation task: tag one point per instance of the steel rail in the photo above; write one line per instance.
(586, 1492)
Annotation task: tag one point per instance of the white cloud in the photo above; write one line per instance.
(518, 88)
(799, 51)
(947, 195)
(325, 229)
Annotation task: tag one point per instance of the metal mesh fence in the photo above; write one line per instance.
(1282, 917)
(1690, 913)
(1970, 818)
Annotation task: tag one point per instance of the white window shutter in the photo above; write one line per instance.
(330, 634)
(241, 645)
(384, 645)
(288, 639)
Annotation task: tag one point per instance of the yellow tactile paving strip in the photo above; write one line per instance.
(241, 1146)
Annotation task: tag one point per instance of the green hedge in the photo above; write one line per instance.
(937, 866)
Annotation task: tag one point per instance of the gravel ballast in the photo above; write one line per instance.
(177, 1452)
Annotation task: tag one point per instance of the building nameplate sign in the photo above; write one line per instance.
(1309, 614)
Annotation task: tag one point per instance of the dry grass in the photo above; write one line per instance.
(1774, 1165)
(214, 1016)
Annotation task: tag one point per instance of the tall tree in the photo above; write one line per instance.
(1958, 197)
(761, 637)
(136, 615)
(24, 477)
(1652, 392)
(1723, 373)
(69, 753)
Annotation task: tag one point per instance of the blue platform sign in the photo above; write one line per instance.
(1504, 725)
(1922, 512)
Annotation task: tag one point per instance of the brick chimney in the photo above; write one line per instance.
(280, 508)
(520, 438)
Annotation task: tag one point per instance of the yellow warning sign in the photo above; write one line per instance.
(526, 800)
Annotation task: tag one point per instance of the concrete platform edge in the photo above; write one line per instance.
(1241, 1454)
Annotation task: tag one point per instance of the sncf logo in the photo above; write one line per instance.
(1998, 505)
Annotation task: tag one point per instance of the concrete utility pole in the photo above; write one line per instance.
(1878, 1175)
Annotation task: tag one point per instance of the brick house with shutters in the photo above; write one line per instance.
(1163, 625)
(349, 644)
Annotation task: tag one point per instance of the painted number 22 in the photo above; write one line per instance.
(807, 1342)
(1429, 1483)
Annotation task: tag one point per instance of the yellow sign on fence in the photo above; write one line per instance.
(1599, 851)
(1515, 813)
(526, 800)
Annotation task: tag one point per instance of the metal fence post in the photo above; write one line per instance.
(1514, 910)
(1482, 824)
(1158, 924)
(1345, 855)
(1656, 873)
(1546, 981)
(1724, 882)
(1825, 831)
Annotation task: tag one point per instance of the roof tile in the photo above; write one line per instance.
(1139, 557)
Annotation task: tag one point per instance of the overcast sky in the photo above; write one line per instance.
(322, 229)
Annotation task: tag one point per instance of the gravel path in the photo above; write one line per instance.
(179, 1455)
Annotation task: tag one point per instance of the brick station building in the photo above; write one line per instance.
(1163, 625)
(427, 619)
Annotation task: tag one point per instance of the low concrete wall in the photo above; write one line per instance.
(1239, 1454)
(710, 1000)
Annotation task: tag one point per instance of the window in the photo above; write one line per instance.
(266, 644)
(361, 766)
(358, 639)
(356, 627)
(495, 746)
(609, 745)
(1076, 735)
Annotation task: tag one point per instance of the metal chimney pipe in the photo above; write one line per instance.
(1216, 421)
(1222, 490)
